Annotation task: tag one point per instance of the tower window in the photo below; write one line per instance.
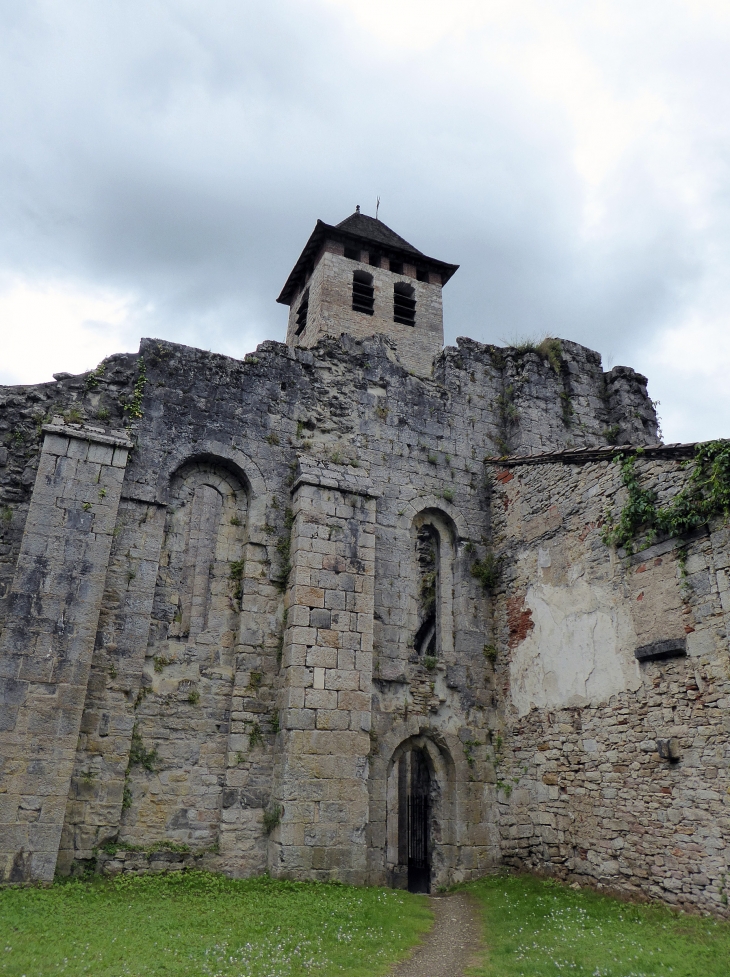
(302, 314)
(352, 253)
(362, 292)
(374, 259)
(397, 267)
(422, 275)
(404, 304)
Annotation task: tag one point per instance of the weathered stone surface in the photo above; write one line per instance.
(579, 650)
(48, 639)
(330, 579)
(588, 752)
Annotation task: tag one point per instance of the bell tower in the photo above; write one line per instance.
(360, 277)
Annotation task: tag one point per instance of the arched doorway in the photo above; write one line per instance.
(418, 813)
(414, 820)
(390, 783)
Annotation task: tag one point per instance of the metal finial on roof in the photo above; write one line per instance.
(377, 208)
(357, 208)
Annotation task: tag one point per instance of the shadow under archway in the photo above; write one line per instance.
(419, 798)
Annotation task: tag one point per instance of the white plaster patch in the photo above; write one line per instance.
(580, 651)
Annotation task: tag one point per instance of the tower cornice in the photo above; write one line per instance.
(388, 244)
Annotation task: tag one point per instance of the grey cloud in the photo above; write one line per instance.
(184, 150)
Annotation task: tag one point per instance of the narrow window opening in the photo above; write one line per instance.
(404, 304)
(427, 554)
(374, 259)
(362, 292)
(397, 267)
(422, 275)
(352, 253)
(302, 314)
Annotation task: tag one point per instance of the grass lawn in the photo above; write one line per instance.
(538, 928)
(205, 925)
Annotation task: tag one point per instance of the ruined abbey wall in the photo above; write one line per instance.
(590, 795)
(287, 609)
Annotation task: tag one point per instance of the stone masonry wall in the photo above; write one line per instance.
(99, 784)
(46, 645)
(325, 702)
(187, 741)
(98, 398)
(331, 313)
(586, 793)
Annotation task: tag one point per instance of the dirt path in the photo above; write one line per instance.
(454, 943)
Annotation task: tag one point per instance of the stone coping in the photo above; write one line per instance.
(117, 439)
(343, 479)
(577, 455)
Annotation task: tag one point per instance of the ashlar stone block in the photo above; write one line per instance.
(307, 759)
(65, 585)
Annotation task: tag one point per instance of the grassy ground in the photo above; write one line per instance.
(538, 928)
(207, 926)
(210, 926)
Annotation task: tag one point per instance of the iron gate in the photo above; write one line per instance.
(419, 870)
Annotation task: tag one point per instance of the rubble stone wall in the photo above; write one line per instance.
(587, 794)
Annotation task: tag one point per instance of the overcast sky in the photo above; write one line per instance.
(162, 163)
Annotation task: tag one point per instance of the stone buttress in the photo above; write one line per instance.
(48, 639)
(321, 789)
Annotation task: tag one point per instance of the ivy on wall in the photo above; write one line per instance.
(706, 494)
(134, 406)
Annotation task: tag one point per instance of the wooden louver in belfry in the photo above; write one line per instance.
(404, 305)
(362, 293)
(302, 314)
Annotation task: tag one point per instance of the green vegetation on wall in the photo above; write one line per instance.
(134, 407)
(92, 380)
(486, 571)
(235, 575)
(706, 494)
(283, 549)
(272, 818)
(138, 756)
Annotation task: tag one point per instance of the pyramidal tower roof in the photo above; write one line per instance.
(372, 229)
(357, 229)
